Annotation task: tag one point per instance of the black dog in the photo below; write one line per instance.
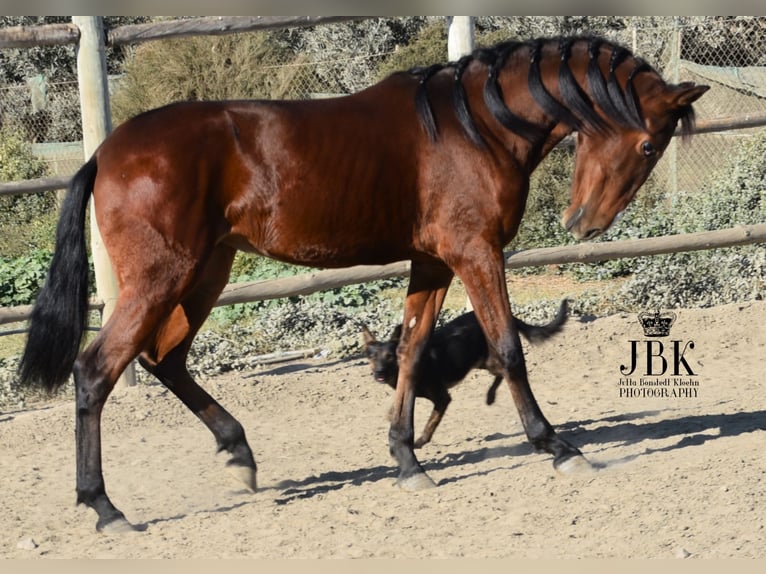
(452, 352)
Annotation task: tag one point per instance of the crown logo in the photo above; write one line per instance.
(655, 324)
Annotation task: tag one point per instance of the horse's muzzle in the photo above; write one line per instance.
(574, 225)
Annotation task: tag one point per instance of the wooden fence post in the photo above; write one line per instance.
(674, 65)
(96, 125)
(459, 37)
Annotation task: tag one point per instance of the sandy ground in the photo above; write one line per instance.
(678, 476)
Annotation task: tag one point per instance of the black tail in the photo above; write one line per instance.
(538, 333)
(61, 310)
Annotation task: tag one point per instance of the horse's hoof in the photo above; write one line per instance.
(419, 481)
(117, 526)
(574, 465)
(244, 474)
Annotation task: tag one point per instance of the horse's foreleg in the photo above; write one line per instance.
(425, 295)
(484, 280)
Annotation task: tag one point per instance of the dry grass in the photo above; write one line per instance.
(526, 289)
(242, 66)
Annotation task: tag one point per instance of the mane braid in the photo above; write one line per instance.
(622, 110)
(422, 105)
(597, 85)
(573, 95)
(545, 100)
(493, 98)
(460, 102)
(578, 108)
(630, 94)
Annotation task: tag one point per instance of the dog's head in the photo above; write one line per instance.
(382, 356)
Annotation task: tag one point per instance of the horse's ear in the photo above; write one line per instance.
(396, 334)
(686, 93)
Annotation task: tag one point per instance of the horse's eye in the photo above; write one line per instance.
(648, 149)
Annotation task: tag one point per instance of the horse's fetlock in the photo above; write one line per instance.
(398, 435)
(231, 437)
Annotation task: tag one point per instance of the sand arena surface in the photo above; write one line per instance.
(681, 476)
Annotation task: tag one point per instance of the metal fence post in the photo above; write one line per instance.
(96, 125)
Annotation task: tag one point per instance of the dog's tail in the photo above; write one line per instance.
(539, 333)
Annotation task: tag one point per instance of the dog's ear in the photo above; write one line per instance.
(396, 334)
(367, 337)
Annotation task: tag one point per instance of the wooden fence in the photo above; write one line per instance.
(308, 283)
(328, 279)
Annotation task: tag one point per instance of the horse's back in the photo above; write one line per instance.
(324, 182)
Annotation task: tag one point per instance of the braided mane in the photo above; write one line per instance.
(577, 106)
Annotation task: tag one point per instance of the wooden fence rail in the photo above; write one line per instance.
(34, 185)
(584, 253)
(58, 34)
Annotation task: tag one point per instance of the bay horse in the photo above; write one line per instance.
(430, 165)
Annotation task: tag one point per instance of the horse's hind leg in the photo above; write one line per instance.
(146, 316)
(95, 372)
(166, 359)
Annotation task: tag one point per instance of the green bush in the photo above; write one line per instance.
(548, 196)
(17, 162)
(26, 221)
(247, 267)
(736, 195)
(22, 277)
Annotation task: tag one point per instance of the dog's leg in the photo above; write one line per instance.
(493, 390)
(441, 401)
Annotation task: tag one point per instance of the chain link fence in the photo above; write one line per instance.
(46, 115)
(734, 66)
(731, 58)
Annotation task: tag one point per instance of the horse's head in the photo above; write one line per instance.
(611, 165)
(623, 111)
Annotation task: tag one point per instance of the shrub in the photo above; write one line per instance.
(22, 277)
(548, 197)
(428, 47)
(208, 68)
(736, 195)
(26, 221)
(17, 161)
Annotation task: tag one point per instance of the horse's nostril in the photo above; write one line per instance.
(575, 218)
(591, 234)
